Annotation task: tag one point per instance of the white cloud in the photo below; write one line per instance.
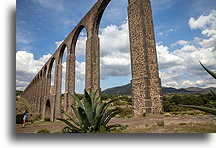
(81, 46)
(27, 67)
(210, 42)
(204, 21)
(166, 58)
(185, 59)
(198, 83)
(179, 68)
(181, 43)
(114, 39)
(114, 50)
(58, 43)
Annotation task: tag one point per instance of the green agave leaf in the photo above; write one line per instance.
(79, 102)
(95, 109)
(67, 130)
(69, 124)
(75, 110)
(107, 105)
(71, 118)
(213, 93)
(113, 126)
(101, 108)
(205, 109)
(209, 71)
(93, 97)
(98, 100)
(110, 117)
(96, 123)
(88, 106)
(83, 118)
(108, 113)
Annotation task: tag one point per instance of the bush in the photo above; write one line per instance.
(19, 118)
(172, 103)
(43, 131)
(126, 113)
(33, 117)
(47, 119)
(160, 123)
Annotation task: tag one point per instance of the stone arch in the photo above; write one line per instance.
(99, 15)
(146, 87)
(75, 37)
(51, 64)
(49, 75)
(48, 109)
(40, 74)
(62, 50)
(61, 84)
(44, 71)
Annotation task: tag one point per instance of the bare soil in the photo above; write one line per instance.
(150, 124)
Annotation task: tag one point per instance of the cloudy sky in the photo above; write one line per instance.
(184, 30)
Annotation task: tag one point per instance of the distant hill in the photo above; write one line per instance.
(201, 90)
(121, 90)
(167, 90)
(126, 90)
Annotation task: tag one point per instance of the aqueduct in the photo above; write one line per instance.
(146, 84)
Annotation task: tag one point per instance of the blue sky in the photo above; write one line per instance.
(184, 31)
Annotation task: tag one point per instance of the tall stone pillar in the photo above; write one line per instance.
(92, 63)
(43, 94)
(38, 95)
(70, 81)
(58, 79)
(146, 85)
(48, 86)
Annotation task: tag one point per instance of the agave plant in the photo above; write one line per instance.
(91, 115)
(213, 75)
(205, 109)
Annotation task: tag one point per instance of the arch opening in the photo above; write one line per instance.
(51, 77)
(79, 43)
(62, 61)
(115, 61)
(48, 109)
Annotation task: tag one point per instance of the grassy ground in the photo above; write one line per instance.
(149, 124)
(180, 128)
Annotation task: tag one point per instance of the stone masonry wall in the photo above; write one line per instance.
(146, 85)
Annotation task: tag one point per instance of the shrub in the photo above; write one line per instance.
(47, 119)
(19, 118)
(33, 117)
(205, 109)
(126, 113)
(182, 123)
(44, 130)
(160, 123)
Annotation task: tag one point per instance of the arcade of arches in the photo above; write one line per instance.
(146, 84)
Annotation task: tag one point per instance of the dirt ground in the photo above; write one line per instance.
(149, 124)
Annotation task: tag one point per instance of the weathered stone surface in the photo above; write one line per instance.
(146, 87)
(146, 84)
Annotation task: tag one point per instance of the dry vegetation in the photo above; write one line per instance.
(177, 120)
